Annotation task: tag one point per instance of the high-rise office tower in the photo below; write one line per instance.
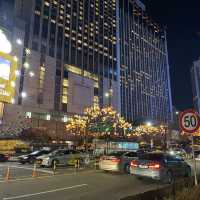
(195, 78)
(79, 53)
(144, 68)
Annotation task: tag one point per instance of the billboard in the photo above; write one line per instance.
(8, 67)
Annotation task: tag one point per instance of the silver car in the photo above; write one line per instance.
(117, 161)
(160, 166)
(62, 157)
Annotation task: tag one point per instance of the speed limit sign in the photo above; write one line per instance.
(189, 121)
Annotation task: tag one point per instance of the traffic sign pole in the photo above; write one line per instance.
(189, 122)
(194, 161)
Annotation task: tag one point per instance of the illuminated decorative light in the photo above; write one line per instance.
(12, 101)
(26, 65)
(13, 84)
(19, 41)
(15, 58)
(5, 46)
(23, 94)
(31, 73)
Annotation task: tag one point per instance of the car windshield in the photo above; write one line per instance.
(118, 153)
(151, 156)
(35, 153)
(53, 153)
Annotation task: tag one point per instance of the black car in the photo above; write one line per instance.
(3, 158)
(31, 158)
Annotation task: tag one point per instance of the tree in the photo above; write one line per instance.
(99, 122)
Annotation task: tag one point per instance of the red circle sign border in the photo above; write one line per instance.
(180, 120)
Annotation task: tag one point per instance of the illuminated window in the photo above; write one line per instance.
(28, 115)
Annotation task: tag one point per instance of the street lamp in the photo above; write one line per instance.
(109, 95)
(24, 94)
(149, 124)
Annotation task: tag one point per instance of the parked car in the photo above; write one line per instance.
(63, 157)
(117, 161)
(178, 152)
(31, 158)
(160, 166)
(3, 157)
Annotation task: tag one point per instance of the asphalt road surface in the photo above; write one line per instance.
(82, 185)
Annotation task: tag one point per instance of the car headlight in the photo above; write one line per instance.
(172, 152)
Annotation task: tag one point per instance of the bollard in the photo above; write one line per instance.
(96, 163)
(54, 167)
(7, 177)
(77, 164)
(34, 173)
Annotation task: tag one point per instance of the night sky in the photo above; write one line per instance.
(182, 19)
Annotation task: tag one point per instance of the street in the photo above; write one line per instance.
(69, 184)
(83, 185)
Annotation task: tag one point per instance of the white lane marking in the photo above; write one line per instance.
(45, 192)
(29, 168)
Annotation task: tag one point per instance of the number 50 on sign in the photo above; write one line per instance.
(189, 121)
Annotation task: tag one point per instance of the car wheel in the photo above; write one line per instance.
(87, 161)
(54, 163)
(139, 177)
(168, 178)
(127, 168)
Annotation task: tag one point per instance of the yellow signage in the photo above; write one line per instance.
(8, 66)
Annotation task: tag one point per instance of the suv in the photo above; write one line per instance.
(62, 157)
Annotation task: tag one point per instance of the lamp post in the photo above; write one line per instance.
(149, 124)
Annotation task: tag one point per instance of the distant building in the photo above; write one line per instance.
(195, 78)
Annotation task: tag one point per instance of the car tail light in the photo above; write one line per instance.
(154, 165)
(134, 163)
(116, 160)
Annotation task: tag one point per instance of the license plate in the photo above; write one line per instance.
(143, 166)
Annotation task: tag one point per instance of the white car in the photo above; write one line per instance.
(62, 157)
